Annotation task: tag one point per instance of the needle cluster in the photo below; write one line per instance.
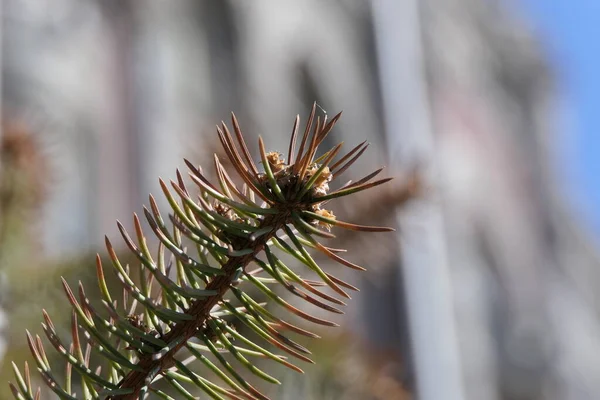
(186, 297)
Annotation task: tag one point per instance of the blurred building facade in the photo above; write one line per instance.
(522, 273)
(120, 90)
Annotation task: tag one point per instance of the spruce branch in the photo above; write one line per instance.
(189, 302)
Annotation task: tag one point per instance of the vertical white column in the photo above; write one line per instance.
(426, 275)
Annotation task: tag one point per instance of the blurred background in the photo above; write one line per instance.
(489, 288)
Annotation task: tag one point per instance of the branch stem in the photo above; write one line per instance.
(200, 309)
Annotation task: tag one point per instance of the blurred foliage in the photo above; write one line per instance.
(22, 187)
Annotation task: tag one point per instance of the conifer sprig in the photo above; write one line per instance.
(187, 295)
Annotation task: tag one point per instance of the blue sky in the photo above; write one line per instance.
(570, 31)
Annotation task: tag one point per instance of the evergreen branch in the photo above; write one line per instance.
(187, 304)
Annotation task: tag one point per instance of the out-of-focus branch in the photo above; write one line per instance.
(21, 194)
